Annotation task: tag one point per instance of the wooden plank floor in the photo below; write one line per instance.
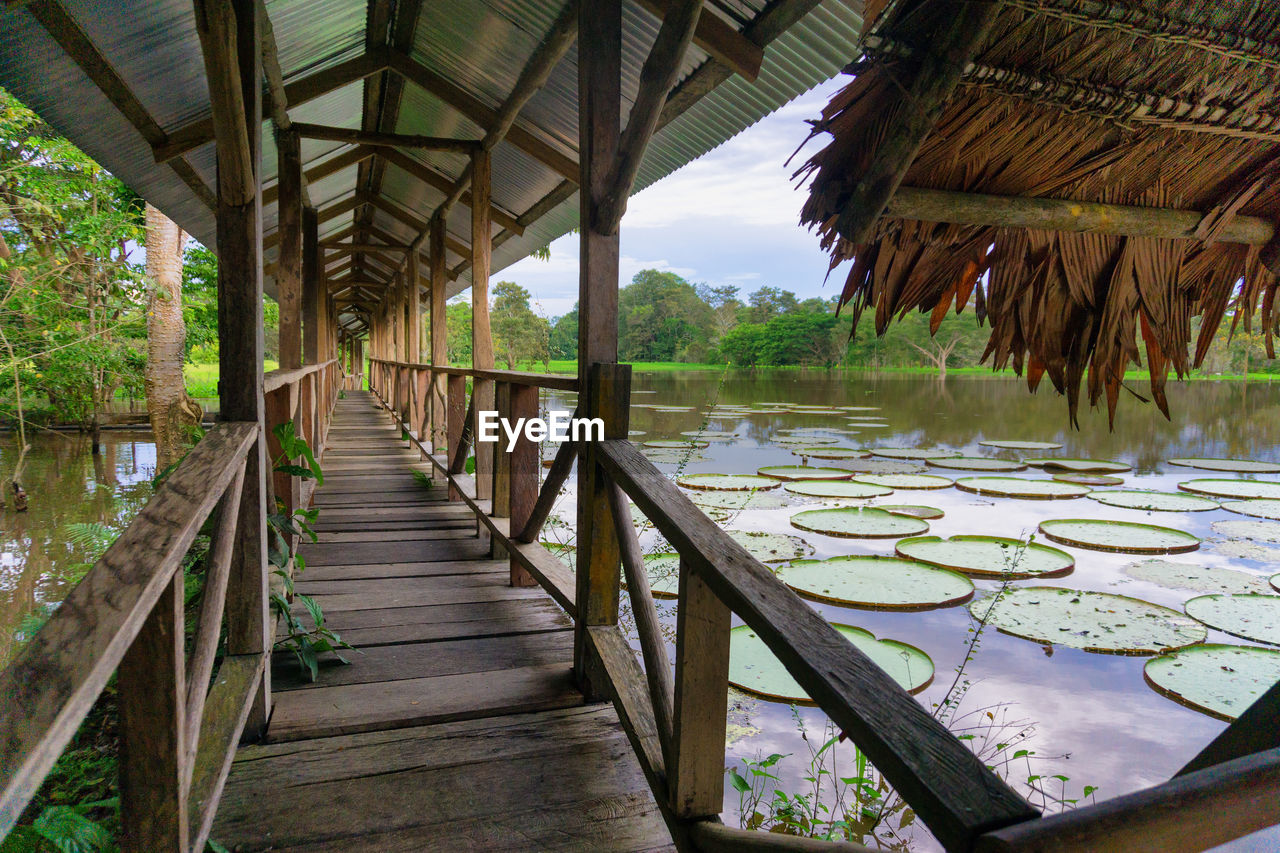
(456, 726)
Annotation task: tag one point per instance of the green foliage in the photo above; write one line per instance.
(458, 332)
(564, 336)
(662, 318)
(518, 333)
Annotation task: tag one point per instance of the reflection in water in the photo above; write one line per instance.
(66, 484)
(1094, 715)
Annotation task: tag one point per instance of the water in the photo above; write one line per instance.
(66, 484)
(1095, 719)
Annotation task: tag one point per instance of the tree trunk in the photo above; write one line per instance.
(173, 414)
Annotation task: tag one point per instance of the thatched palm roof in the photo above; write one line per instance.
(1171, 105)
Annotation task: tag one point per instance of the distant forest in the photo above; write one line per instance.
(664, 318)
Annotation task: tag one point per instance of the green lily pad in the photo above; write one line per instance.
(1021, 487)
(771, 547)
(1252, 617)
(664, 408)
(1238, 466)
(861, 424)
(1240, 549)
(912, 453)
(710, 434)
(1173, 575)
(1093, 621)
(804, 472)
(727, 482)
(673, 444)
(1275, 581)
(631, 432)
(1126, 537)
(804, 439)
(672, 457)
(988, 556)
(1257, 507)
(1218, 679)
(836, 489)
(737, 500)
(830, 452)
(858, 408)
(754, 669)
(859, 523)
(881, 466)
(905, 481)
(1246, 489)
(977, 463)
(928, 513)
(882, 583)
(1154, 501)
(664, 574)
(1013, 444)
(1260, 531)
(1080, 466)
(1089, 479)
(824, 432)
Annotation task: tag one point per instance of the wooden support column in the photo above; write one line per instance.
(522, 473)
(455, 422)
(289, 264)
(599, 105)
(413, 308)
(312, 281)
(439, 330)
(229, 38)
(481, 334)
(501, 507)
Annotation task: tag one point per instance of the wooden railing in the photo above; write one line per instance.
(179, 723)
(675, 713)
(305, 396)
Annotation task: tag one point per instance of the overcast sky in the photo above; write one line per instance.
(730, 217)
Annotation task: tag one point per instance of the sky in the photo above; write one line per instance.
(729, 218)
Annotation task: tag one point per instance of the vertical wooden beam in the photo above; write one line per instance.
(413, 308)
(481, 334)
(312, 281)
(455, 418)
(522, 473)
(599, 105)
(439, 329)
(289, 263)
(501, 507)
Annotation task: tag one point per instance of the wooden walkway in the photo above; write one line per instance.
(456, 726)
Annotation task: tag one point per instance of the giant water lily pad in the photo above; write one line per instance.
(675, 444)
(859, 523)
(884, 583)
(804, 439)
(1252, 617)
(976, 463)
(831, 452)
(1080, 466)
(905, 481)
(753, 668)
(988, 556)
(804, 472)
(1014, 444)
(858, 408)
(1154, 501)
(1173, 575)
(664, 574)
(928, 513)
(861, 424)
(912, 453)
(824, 432)
(771, 547)
(660, 456)
(1092, 621)
(1021, 487)
(1238, 466)
(836, 489)
(668, 408)
(1242, 549)
(1220, 680)
(1245, 489)
(881, 466)
(1258, 507)
(1259, 531)
(1126, 537)
(1089, 479)
(710, 434)
(727, 482)
(737, 500)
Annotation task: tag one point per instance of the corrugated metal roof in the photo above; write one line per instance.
(479, 45)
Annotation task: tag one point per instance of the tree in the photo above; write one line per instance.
(799, 338)
(742, 344)
(767, 303)
(661, 318)
(518, 334)
(938, 352)
(173, 414)
(458, 332)
(564, 336)
(724, 303)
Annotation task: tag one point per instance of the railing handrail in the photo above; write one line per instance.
(55, 679)
(279, 378)
(555, 381)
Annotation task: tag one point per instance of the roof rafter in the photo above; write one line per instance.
(381, 139)
(435, 179)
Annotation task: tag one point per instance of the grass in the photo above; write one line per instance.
(202, 379)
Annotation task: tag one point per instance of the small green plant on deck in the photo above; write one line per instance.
(307, 644)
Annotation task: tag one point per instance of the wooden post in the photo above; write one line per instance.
(481, 334)
(289, 263)
(599, 105)
(280, 406)
(454, 417)
(501, 507)
(229, 38)
(413, 310)
(439, 330)
(522, 473)
(701, 699)
(312, 281)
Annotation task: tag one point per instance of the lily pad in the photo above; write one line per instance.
(905, 481)
(1245, 489)
(1080, 466)
(1092, 621)
(1252, 617)
(771, 547)
(665, 408)
(882, 583)
(1126, 537)
(819, 431)
(988, 556)
(710, 434)
(881, 466)
(804, 472)
(836, 489)
(1154, 501)
(1013, 444)
(1238, 466)
(674, 444)
(1259, 531)
(1089, 479)
(861, 424)
(672, 457)
(858, 408)
(928, 513)
(737, 500)
(977, 463)
(727, 482)
(1173, 575)
(859, 523)
(754, 669)
(1258, 508)
(1021, 487)
(804, 439)
(1240, 549)
(1220, 680)
(664, 574)
(830, 452)
(635, 432)
(912, 453)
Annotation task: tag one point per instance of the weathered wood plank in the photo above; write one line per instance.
(423, 598)
(527, 621)
(394, 552)
(438, 530)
